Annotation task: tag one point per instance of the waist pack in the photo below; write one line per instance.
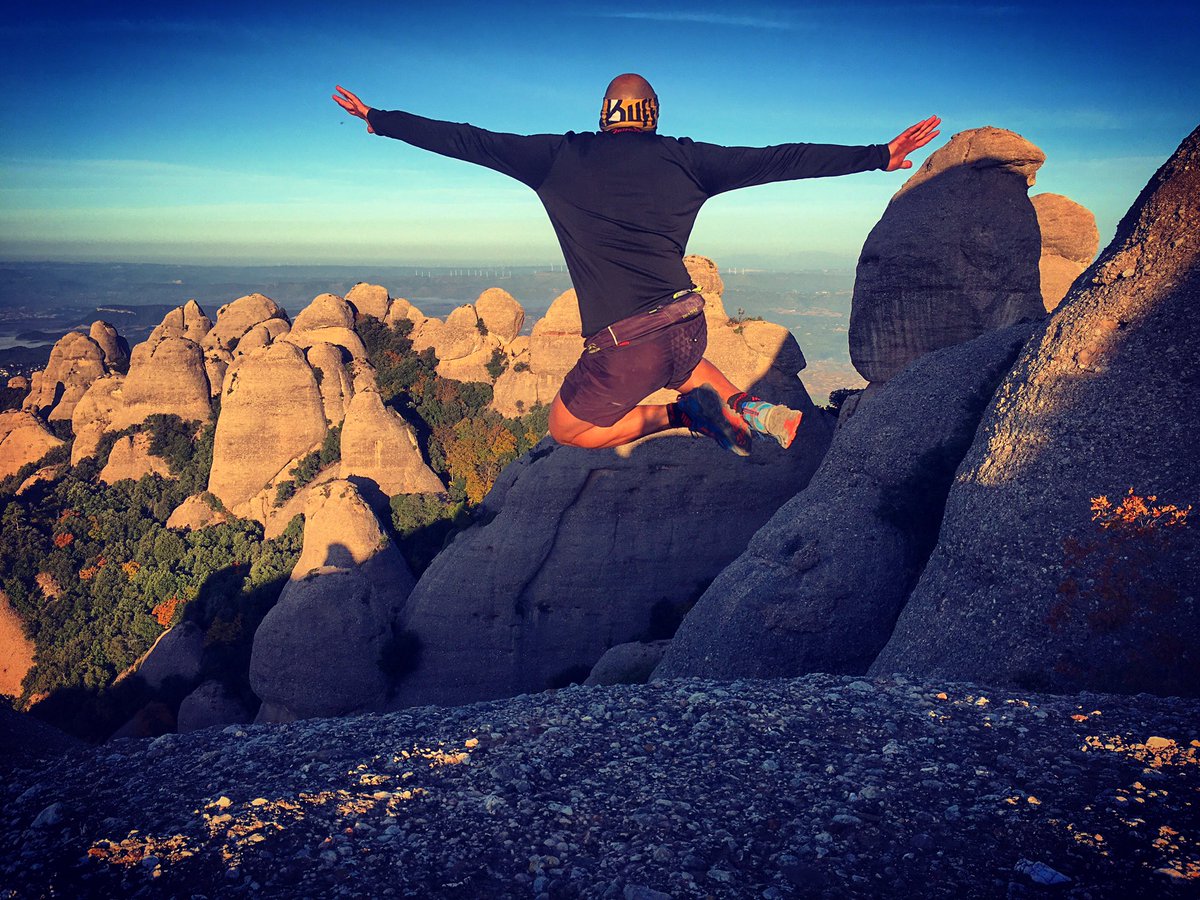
(685, 306)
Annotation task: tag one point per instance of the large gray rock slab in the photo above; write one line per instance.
(1024, 587)
(955, 254)
(585, 549)
(820, 585)
(328, 646)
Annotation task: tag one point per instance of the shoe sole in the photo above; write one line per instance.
(787, 434)
(712, 409)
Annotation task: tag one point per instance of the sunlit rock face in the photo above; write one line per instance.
(377, 444)
(1048, 572)
(271, 413)
(1069, 244)
(955, 254)
(24, 439)
(131, 458)
(114, 347)
(820, 585)
(329, 647)
(369, 299)
(166, 376)
(75, 362)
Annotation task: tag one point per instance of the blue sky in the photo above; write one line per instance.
(205, 132)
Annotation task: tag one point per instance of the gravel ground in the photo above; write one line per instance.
(817, 786)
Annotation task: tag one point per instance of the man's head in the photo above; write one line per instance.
(630, 104)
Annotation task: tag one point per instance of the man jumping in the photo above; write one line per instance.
(623, 202)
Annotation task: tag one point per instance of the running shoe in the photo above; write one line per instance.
(771, 420)
(702, 412)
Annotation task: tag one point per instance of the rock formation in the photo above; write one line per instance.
(165, 377)
(209, 705)
(327, 319)
(131, 458)
(820, 585)
(377, 444)
(501, 314)
(1069, 244)
(16, 650)
(75, 362)
(955, 254)
(581, 550)
(369, 299)
(93, 415)
(1048, 572)
(175, 656)
(23, 440)
(114, 347)
(330, 364)
(630, 663)
(195, 512)
(187, 321)
(328, 647)
(271, 413)
(759, 354)
(255, 319)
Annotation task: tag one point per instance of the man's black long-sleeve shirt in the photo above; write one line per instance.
(623, 205)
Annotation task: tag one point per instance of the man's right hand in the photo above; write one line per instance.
(352, 105)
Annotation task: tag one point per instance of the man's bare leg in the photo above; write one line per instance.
(638, 422)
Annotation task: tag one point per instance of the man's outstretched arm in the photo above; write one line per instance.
(912, 138)
(526, 158)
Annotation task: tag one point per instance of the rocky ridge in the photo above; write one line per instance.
(821, 785)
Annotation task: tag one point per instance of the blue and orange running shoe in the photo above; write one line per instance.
(768, 419)
(702, 412)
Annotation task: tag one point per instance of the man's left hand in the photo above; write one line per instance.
(913, 138)
(352, 105)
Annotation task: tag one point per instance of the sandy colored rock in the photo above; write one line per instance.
(187, 321)
(236, 318)
(19, 383)
(75, 362)
(194, 513)
(379, 445)
(325, 311)
(1069, 244)
(164, 378)
(329, 364)
(345, 338)
(16, 650)
(955, 254)
(114, 347)
(515, 393)
(41, 476)
(501, 313)
(262, 335)
(93, 415)
(705, 275)
(369, 299)
(325, 648)
(23, 440)
(274, 518)
(400, 309)
(131, 458)
(271, 411)
(1027, 586)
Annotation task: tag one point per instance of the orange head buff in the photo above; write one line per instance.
(630, 104)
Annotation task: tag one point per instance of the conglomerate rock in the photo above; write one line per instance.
(820, 585)
(75, 362)
(1061, 562)
(377, 444)
(955, 254)
(1069, 244)
(23, 440)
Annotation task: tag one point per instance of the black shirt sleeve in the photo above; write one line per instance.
(526, 158)
(719, 169)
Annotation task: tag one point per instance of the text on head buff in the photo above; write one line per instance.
(632, 113)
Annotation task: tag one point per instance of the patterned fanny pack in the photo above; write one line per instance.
(685, 305)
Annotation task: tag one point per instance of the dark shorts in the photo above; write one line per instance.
(607, 384)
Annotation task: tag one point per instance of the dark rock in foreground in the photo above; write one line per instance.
(1068, 559)
(820, 786)
(820, 585)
